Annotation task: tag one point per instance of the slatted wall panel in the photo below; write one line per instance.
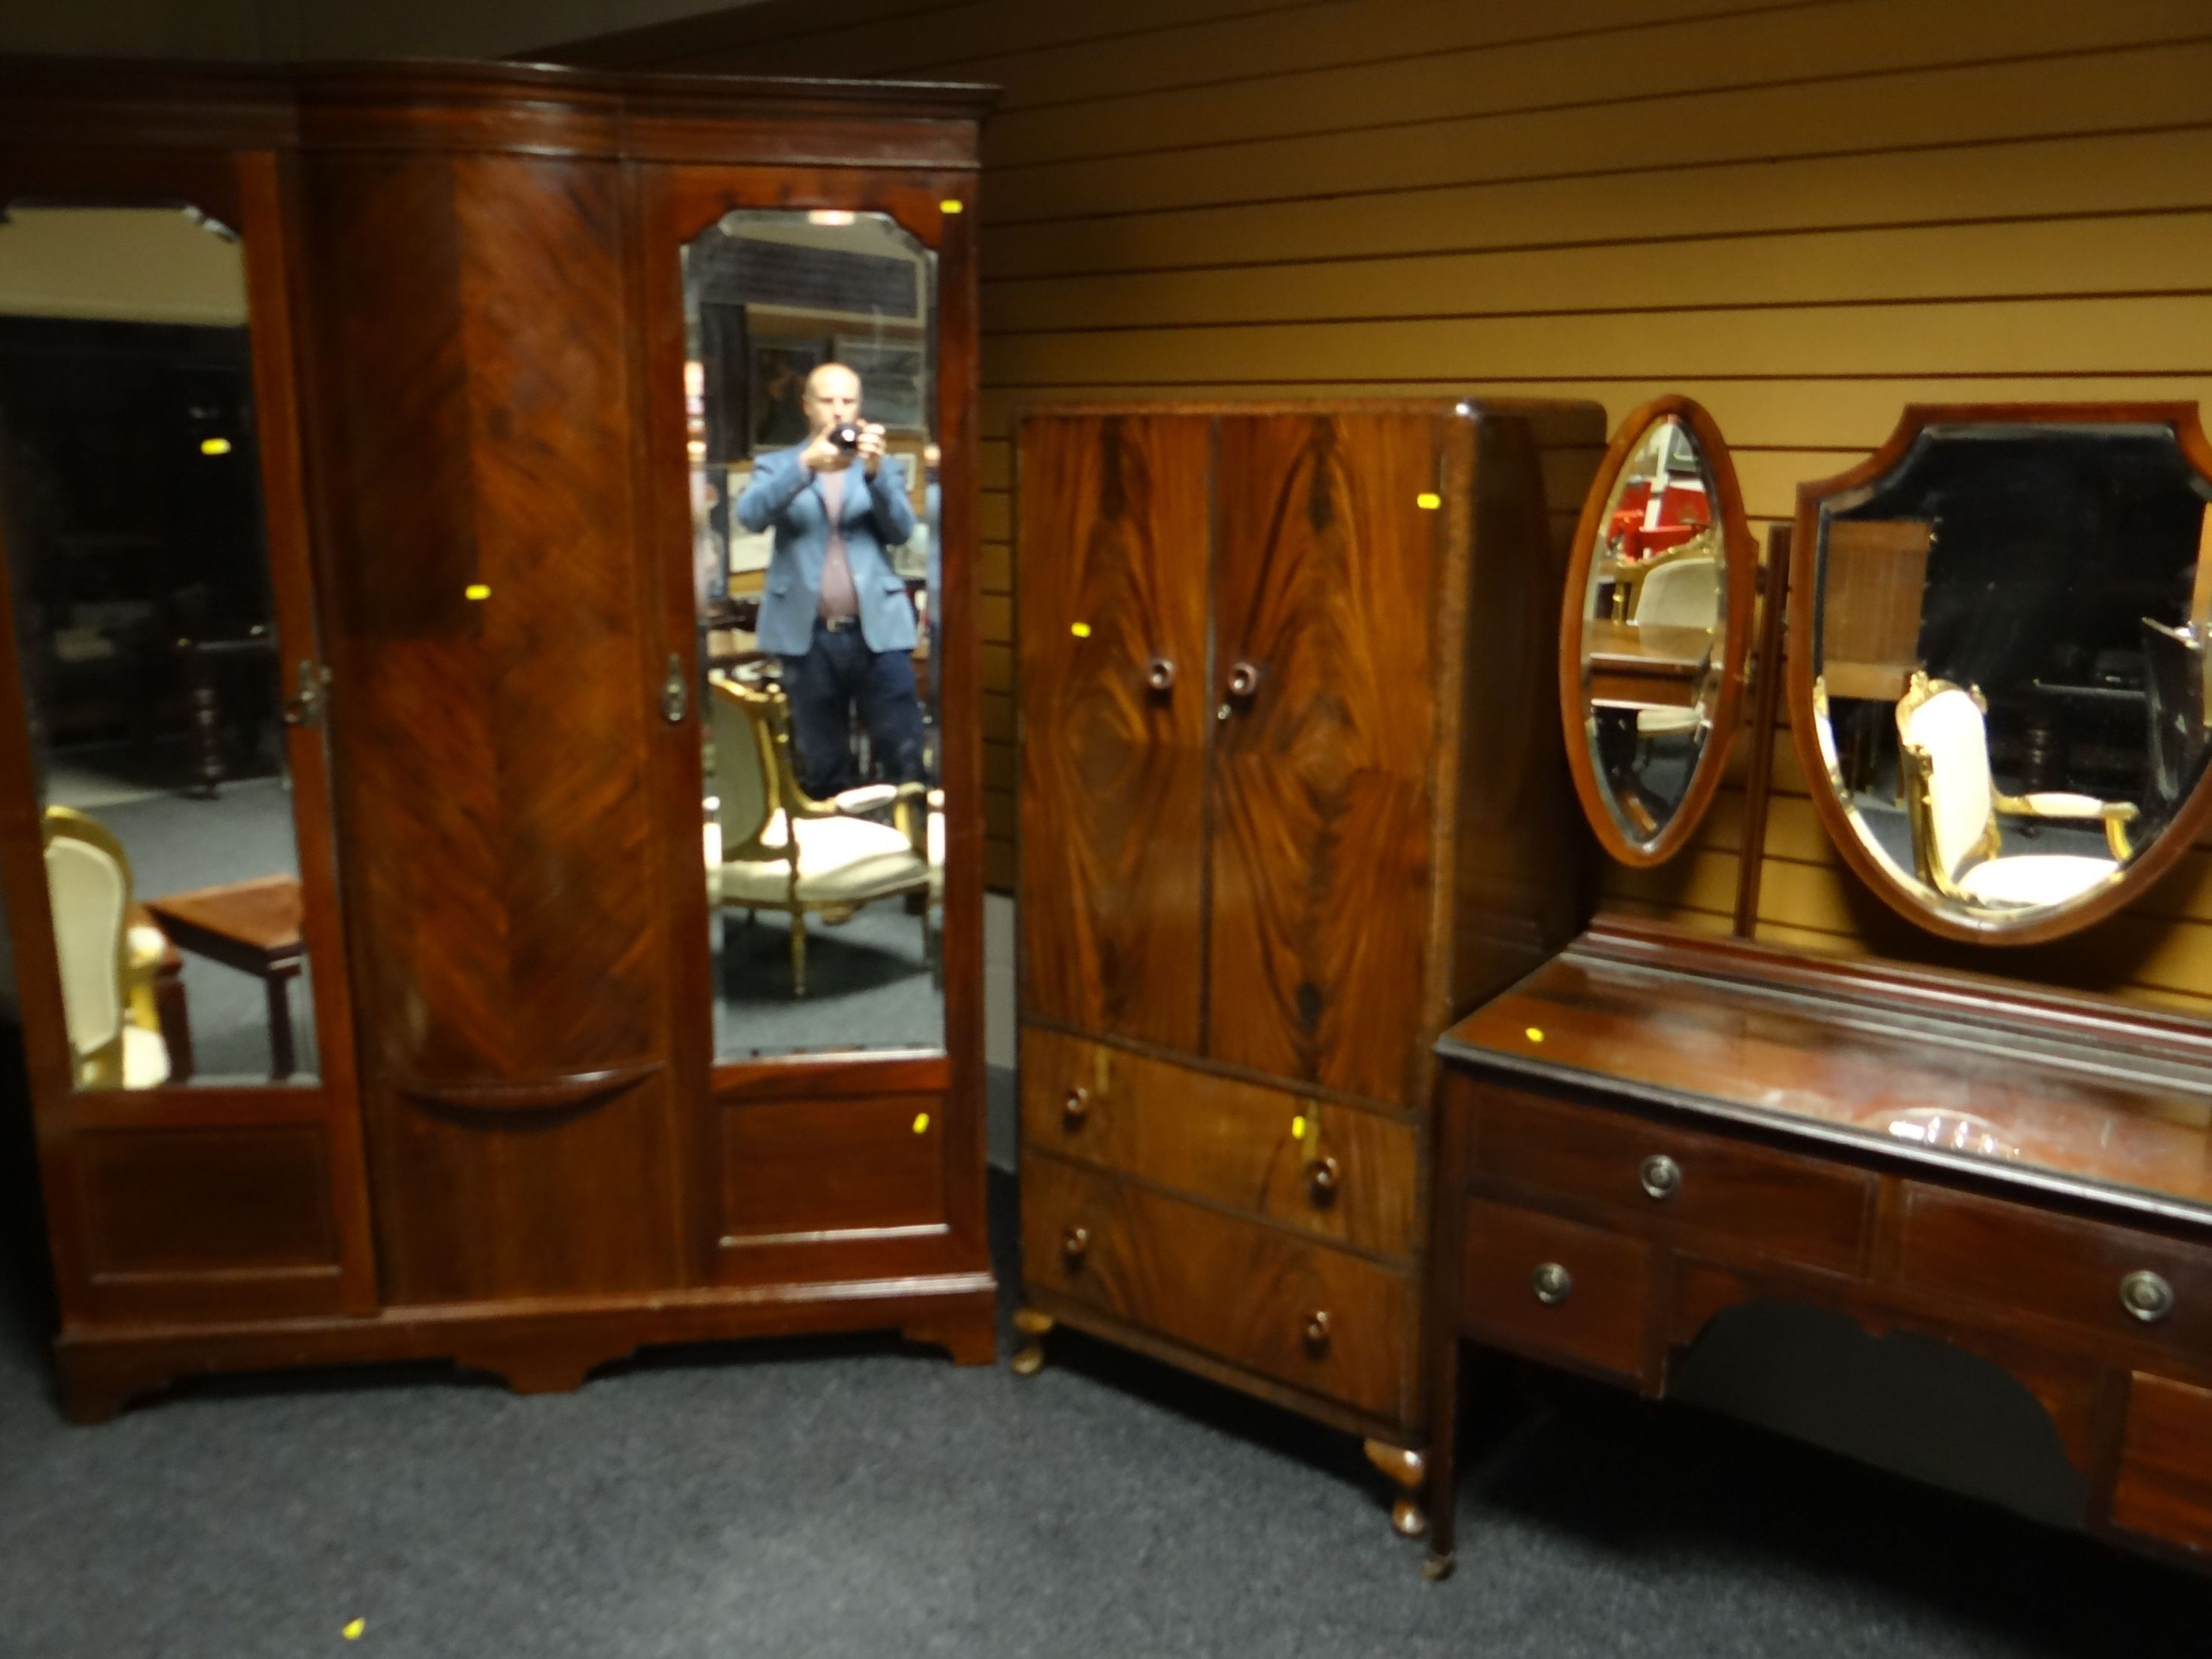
(1805, 214)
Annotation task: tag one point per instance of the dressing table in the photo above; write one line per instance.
(1660, 1125)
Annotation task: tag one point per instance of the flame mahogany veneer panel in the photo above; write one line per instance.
(1114, 533)
(477, 424)
(1327, 579)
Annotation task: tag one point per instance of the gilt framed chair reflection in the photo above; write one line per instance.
(1682, 593)
(2004, 552)
(772, 848)
(108, 962)
(1953, 806)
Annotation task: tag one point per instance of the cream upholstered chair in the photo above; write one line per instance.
(772, 848)
(933, 922)
(1953, 803)
(1683, 591)
(106, 965)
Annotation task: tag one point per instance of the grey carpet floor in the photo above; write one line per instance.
(856, 1497)
(868, 984)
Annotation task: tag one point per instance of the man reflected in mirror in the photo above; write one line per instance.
(834, 610)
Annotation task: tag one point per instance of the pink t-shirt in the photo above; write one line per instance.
(839, 597)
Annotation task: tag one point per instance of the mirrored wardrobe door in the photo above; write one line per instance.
(811, 343)
(169, 679)
(1656, 630)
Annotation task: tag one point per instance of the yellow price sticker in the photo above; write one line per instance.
(1428, 501)
(950, 204)
(921, 1123)
(352, 1631)
(477, 591)
(1081, 630)
(1535, 1034)
(215, 445)
(1297, 1128)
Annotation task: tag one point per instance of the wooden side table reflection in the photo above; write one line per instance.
(250, 925)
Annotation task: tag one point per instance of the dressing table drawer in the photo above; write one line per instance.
(2107, 1281)
(1347, 1175)
(2163, 1487)
(1555, 1289)
(1798, 1210)
(1315, 1318)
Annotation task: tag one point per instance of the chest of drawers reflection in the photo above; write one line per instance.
(1291, 795)
(560, 1087)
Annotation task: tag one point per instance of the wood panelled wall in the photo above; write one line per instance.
(1804, 213)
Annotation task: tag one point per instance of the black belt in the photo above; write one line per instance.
(837, 625)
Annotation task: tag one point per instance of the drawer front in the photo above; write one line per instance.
(1799, 1210)
(2059, 1267)
(1331, 1170)
(1555, 1289)
(1306, 1315)
(2163, 1486)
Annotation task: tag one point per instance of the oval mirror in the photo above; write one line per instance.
(1999, 665)
(1657, 622)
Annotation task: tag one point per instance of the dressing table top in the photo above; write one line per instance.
(2065, 1094)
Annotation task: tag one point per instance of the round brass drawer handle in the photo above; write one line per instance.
(1075, 1244)
(1551, 1284)
(1322, 1176)
(1076, 1108)
(2147, 1295)
(1317, 1332)
(1161, 676)
(1661, 1175)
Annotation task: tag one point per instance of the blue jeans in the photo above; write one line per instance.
(838, 675)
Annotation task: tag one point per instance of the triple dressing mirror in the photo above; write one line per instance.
(811, 382)
(1656, 629)
(1998, 677)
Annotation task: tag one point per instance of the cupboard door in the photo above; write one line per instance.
(165, 815)
(1325, 581)
(1115, 716)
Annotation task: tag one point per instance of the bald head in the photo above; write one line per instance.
(833, 397)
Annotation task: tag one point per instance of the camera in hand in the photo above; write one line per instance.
(847, 437)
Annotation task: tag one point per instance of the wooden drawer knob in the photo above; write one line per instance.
(1661, 1175)
(1322, 1174)
(1075, 1244)
(1316, 1331)
(1076, 1108)
(2147, 1295)
(1551, 1284)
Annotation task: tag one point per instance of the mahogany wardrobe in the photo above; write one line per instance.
(423, 944)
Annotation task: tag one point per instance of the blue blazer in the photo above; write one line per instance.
(876, 515)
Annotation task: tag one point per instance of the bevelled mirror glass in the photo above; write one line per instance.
(810, 393)
(153, 686)
(1999, 664)
(1656, 625)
